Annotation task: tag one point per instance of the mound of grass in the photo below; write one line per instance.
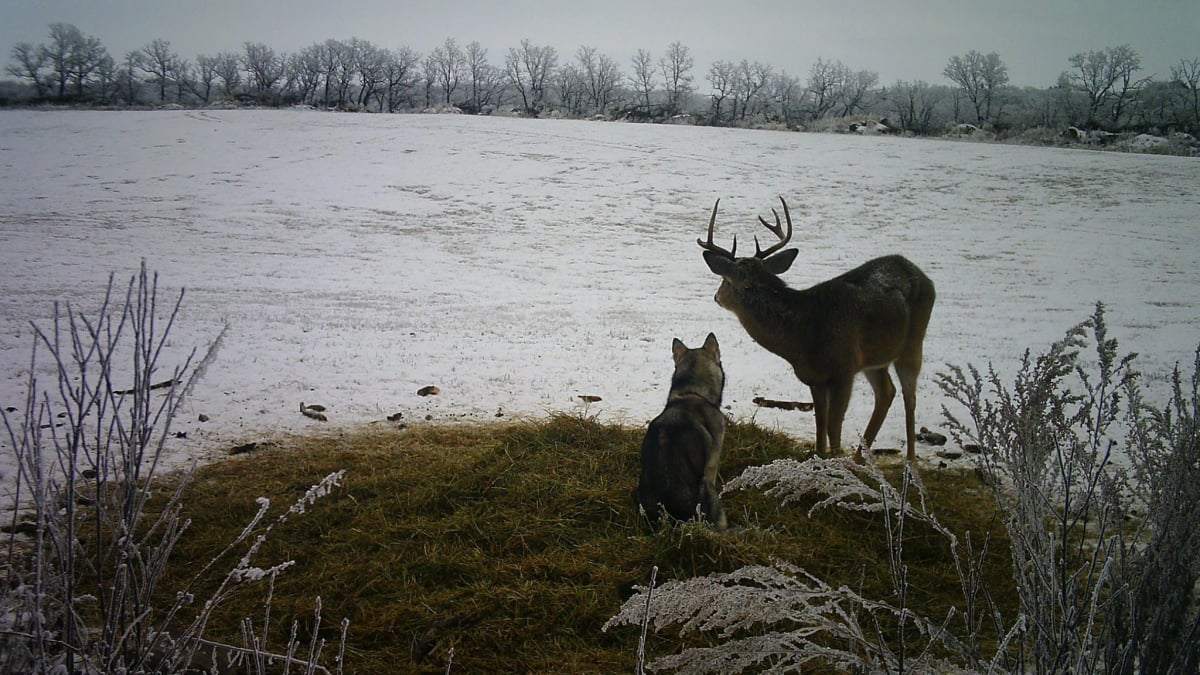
(513, 543)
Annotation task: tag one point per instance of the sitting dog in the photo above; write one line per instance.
(682, 446)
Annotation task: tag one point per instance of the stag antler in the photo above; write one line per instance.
(777, 229)
(709, 245)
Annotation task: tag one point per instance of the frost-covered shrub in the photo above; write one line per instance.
(1176, 145)
(83, 566)
(1103, 496)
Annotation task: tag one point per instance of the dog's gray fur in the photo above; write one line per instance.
(682, 446)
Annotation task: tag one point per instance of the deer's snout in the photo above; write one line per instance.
(721, 297)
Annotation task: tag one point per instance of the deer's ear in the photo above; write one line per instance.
(718, 263)
(780, 262)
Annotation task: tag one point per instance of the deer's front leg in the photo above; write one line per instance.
(820, 399)
(839, 400)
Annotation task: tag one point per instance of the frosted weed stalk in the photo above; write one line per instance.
(80, 589)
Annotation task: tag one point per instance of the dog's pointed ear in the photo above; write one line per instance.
(678, 349)
(711, 346)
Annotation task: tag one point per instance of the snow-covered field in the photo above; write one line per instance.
(518, 264)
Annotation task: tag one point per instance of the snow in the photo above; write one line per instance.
(519, 264)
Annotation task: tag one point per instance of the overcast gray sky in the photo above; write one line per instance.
(899, 39)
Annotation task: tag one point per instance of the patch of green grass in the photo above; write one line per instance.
(513, 543)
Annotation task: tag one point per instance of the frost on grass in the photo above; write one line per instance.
(244, 571)
(836, 482)
(834, 625)
(783, 617)
(317, 491)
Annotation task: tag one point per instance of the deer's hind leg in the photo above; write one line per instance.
(885, 393)
(908, 369)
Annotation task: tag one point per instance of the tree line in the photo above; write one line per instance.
(1101, 89)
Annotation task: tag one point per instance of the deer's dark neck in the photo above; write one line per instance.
(783, 320)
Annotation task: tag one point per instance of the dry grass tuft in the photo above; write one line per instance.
(513, 543)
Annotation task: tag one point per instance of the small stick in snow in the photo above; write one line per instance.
(158, 385)
(782, 405)
(313, 412)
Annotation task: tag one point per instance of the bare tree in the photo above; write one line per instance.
(1106, 77)
(107, 83)
(486, 81)
(599, 75)
(722, 76)
(63, 38)
(854, 90)
(229, 70)
(1185, 79)
(825, 80)
(181, 76)
(643, 76)
(1068, 99)
(572, 94)
(86, 60)
(1125, 62)
(265, 68)
(677, 76)
(206, 77)
(449, 63)
(340, 75)
(370, 65)
(28, 62)
(787, 94)
(528, 70)
(159, 62)
(608, 79)
(332, 65)
(73, 58)
(429, 73)
(915, 104)
(127, 85)
(981, 78)
(750, 80)
(400, 76)
(304, 73)
(586, 68)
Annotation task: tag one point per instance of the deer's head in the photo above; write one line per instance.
(743, 278)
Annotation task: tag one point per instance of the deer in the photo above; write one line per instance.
(863, 321)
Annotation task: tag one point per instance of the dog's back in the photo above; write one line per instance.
(682, 446)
